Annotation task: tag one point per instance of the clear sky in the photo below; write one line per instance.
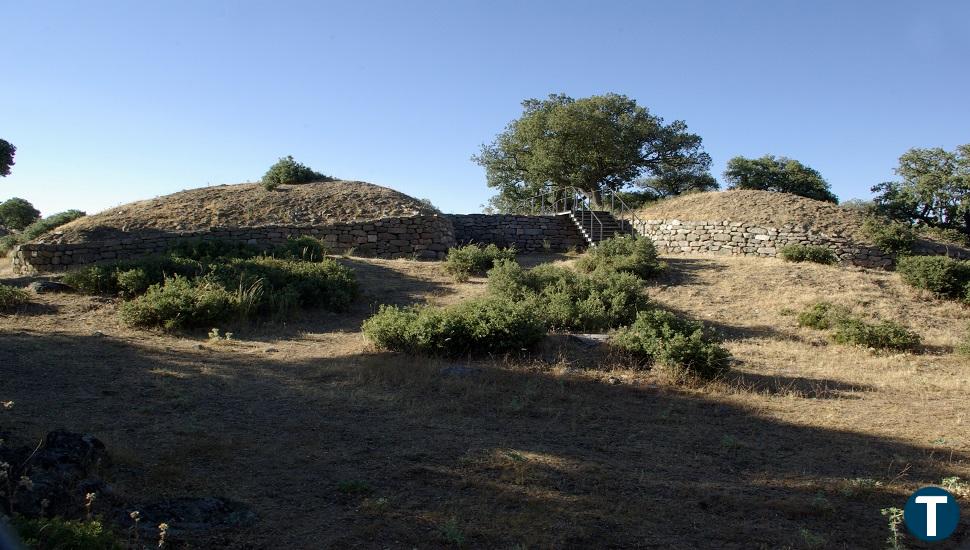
(110, 102)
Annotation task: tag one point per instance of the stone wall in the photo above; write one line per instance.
(743, 239)
(526, 233)
(425, 237)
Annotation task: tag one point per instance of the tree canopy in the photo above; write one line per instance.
(7, 151)
(17, 213)
(288, 171)
(782, 174)
(598, 143)
(934, 189)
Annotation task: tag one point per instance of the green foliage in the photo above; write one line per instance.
(808, 253)
(941, 275)
(595, 143)
(677, 345)
(38, 228)
(964, 347)
(11, 298)
(848, 329)
(882, 335)
(822, 315)
(208, 250)
(129, 278)
(180, 303)
(565, 299)
(289, 171)
(7, 152)
(934, 189)
(17, 213)
(782, 174)
(480, 326)
(306, 248)
(62, 534)
(891, 236)
(624, 253)
(472, 259)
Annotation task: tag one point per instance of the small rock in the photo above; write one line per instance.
(97, 334)
(44, 287)
(271, 350)
(614, 380)
(199, 346)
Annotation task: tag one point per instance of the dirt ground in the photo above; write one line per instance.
(337, 445)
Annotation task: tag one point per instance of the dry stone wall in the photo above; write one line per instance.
(742, 239)
(425, 237)
(526, 233)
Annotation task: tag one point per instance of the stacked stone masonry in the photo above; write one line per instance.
(525, 233)
(741, 239)
(424, 237)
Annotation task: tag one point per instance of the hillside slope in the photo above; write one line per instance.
(246, 205)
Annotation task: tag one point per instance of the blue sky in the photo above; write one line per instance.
(110, 102)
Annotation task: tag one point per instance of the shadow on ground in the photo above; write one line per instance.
(380, 450)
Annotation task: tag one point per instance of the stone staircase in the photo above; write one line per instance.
(598, 225)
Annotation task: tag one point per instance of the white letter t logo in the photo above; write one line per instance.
(930, 502)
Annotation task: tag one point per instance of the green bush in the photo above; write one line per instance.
(808, 253)
(882, 335)
(626, 253)
(289, 171)
(288, 285)
(480, 326)
(179, 303)
(891, 236)
(675, 344)
(822, 315)
(62, 534)
(11, 298)
(209, 250)
(129, 278)
(17, 213)
(964, 347)
(38, 228)
(848, 329)
(565, 299)
(941, 275)
(306, 248)
(464, 261)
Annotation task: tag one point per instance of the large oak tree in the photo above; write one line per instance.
(782, 174)
(597, 143)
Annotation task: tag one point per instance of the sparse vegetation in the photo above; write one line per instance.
(677, 345)
(478, 326)
(624, 253)
(288, 171)
(945, 277)
(464, 261)
(848, 329)
(62, 534)
(809, 253)
(38, 228)
(11, 298)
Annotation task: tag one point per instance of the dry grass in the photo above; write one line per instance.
(245, 205)
(563, 452)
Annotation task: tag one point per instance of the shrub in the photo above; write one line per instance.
(288, 285)
(882, 335)
(635, 255)
(939, 274)
(289, 171)
(179, 303)
(59, 533)
(565, 299)
(306, 248)
(471, 259)
(891, 236)
(964, 347)
(808, 253)
(480, 326)
(676, 344)
(129, 278)
(12, 298)
(17, 213)
(38, 228)
(822, 315)
(208, 250)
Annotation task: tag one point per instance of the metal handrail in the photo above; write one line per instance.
(561, 199)
(585, 207)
